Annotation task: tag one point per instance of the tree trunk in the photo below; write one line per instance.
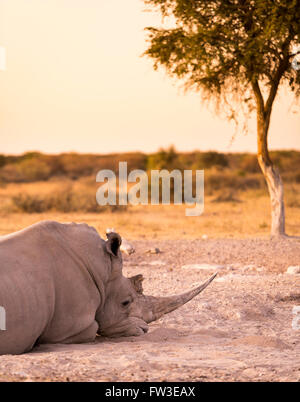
(272, 176)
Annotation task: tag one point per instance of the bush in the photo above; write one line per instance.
(66, 201)
(233, 181)
(163, 159)
(227, 196)
(34, 166)
(29, 204)
(249, 164)
(206, 160)
(27, 170)
(2, 160)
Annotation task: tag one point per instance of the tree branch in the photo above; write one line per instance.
(258, 95)
(283, 66)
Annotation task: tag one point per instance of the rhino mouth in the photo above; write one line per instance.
(132, 326)
(154, 308)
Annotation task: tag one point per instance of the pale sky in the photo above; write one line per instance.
(75, 81)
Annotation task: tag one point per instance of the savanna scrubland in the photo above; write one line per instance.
(36, 186)
(241, 328)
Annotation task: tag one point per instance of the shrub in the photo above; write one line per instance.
(67, 200)
(29, 203)
(249, 164)
(206, 160)
(163, 159)
(226, 196)
(2, 160)
(27, 170)
(231, 180)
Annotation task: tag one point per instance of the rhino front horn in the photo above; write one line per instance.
(163, 305)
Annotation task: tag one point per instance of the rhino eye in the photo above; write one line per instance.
(125, 303)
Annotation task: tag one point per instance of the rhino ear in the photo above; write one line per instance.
(137, 282)
(113, 243)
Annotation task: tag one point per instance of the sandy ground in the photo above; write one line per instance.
(238, 329)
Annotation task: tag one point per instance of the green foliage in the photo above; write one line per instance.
(170, 159)
(75, 166)
(225, 176)
(206, 160)
(163, 159)
(222, 47)
(34, 166)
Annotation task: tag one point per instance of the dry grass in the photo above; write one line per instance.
(228, 219)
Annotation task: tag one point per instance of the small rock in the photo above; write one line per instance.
(232, 277)
(222, 278)
(154, 250)
(206, 305)
(260, 269)
(238, 315)
(250, 372)
(204, 237)
(293, 270)
(156, 262)
(250, 267)
(203, 266)
(126, 247)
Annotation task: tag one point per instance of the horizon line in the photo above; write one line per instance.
(143, 152)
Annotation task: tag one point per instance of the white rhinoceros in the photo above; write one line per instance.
(62, 283)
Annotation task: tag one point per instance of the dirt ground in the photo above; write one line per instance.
(238, 329)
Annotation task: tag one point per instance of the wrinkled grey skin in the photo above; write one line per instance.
(62, 283)
(125, 308)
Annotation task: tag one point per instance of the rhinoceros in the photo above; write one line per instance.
(63, 283)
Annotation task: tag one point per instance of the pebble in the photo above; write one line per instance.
(154, 250)
(293, 270)
(203, 266)
(157, 262)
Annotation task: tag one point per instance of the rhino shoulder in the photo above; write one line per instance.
(72, 226)
(74, 231)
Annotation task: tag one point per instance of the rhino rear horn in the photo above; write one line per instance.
(137, 283)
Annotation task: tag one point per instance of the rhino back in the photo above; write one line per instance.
(26, 290)
(45, 287)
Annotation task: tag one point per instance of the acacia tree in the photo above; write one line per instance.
(237, 52)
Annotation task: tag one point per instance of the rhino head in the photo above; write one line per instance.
(126, 310)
